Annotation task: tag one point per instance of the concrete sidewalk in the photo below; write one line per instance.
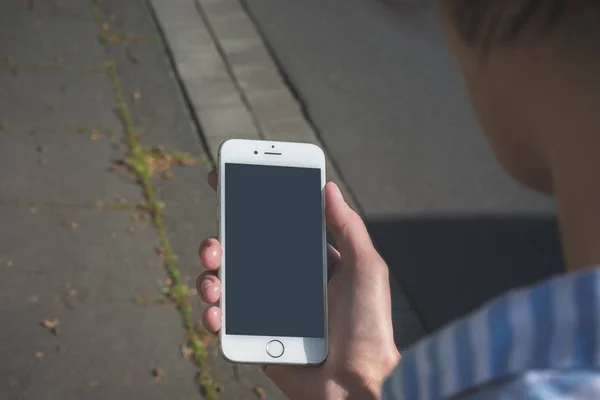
(236, 89)
(103, 203)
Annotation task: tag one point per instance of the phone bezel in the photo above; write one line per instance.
(252, 349)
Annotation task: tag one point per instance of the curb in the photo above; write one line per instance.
(235, 90)
(234, 86)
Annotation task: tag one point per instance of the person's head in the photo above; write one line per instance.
(528, 64)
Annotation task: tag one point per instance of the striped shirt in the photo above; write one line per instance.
(541, 342)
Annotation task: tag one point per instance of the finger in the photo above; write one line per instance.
(212, 179)
(345, 225)
(211, 253)
(208, 286)
(333, 261)
(211, 319)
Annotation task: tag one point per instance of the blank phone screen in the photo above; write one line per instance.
(273, 251)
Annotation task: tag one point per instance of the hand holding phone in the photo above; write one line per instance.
(361, 347)
(273, 311)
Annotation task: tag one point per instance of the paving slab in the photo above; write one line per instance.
(61, 165)
(47, 97)
(88, 280)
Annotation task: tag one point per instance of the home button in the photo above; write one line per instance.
(275, 348)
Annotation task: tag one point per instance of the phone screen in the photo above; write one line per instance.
(273, 251)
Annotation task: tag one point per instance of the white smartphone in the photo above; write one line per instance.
(274, 269)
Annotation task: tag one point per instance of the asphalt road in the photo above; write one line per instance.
(381, 88)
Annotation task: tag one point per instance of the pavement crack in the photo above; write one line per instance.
(139, 164)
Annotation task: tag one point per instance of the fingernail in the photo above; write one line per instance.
(205, 285)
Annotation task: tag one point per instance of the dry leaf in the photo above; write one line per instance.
(9, 263)
(168, 282)
(112, 138)
(43, 161)
(33, 209)
(39, 355)
(186, 351)
(113, 235)
(94, 383)
(70, 225)
(120, 199)
(50, 323)
(105, 27)
(136, 95)
(260, 393)
(33, 299)
(166, 175)
(95, 135)
(135, 217)
(131, 230)
(158, 374)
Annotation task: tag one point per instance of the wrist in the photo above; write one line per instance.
(374, 385)
(368, 386)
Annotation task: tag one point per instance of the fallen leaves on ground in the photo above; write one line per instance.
(94, 383)
(52, 325)
(158, 374)
(70, 225)
(39, 355)
(166, 175)
(113, 235)
(33, 209)
(131, 230)
(260, 392)
(95, 135)
(159, 159)
(186, 351)
(9, 263)
(136, 95)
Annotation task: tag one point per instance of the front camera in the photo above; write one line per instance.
(255, 152)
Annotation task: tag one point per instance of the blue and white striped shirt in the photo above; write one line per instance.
(541, 342)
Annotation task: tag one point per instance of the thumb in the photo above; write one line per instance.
(346, 226)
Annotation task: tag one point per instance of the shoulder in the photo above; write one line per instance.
(552, 325)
